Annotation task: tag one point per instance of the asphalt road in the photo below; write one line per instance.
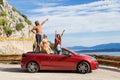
(14, 72)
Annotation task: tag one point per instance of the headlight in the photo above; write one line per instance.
(93, 59)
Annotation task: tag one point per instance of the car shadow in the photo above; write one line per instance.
(57, 71)
(110, 69)
(19, 70)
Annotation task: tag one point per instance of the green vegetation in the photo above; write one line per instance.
(51, 45)
(26, 19)
(7, 30)
(19, 26)
(3, 13)
(24, 16)
(3, 21)
(14, 9)
(1, 1)
(20, 20)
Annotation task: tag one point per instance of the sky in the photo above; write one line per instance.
(87, 22)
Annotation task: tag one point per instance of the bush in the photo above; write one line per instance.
(24, 16)
(3, 21)
(1, 1)
(14, 9)
(51, 45)
(28, 21)
(19, 26)
(3, 13)
(20, 20)
(7, 30)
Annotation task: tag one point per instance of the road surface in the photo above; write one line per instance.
(14, 72)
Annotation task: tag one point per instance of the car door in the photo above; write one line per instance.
(45, 61)
(65, 61)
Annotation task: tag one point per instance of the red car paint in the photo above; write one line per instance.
(57, 62)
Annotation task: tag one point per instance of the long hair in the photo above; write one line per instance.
(58, 36)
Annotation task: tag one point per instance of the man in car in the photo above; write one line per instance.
(38, 31)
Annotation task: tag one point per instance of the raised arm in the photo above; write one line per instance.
(44, 21)
(62, 32)
(55, 34)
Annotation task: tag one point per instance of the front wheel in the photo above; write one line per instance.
(32, 67)
(83, 67)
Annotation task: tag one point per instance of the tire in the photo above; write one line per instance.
(83, 67)
(32, 67)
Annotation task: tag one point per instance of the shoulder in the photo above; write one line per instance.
(34, 27)
(39, 25)
(43, 40)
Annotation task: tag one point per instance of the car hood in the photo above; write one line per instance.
(83, 55)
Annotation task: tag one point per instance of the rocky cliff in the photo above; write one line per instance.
(14, 25)
(12, 22)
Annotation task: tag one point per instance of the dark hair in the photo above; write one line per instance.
(58, 36)
(36, 22)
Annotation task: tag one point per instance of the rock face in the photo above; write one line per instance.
(12, 22)
(15, 46)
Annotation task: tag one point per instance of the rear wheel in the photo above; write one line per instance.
(83, 67)
(32, 67)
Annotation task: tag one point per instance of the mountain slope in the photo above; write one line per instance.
(12, 22)
(98, 48)
(107, 46)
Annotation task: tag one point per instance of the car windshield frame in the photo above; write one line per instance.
(70, 51)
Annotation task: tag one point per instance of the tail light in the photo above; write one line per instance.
(23, 56)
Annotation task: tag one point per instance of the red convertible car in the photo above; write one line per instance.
(68, 60)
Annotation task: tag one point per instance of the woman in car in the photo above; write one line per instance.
(45, 45)
(57, 44)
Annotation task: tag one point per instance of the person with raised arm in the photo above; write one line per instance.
(37, 29)
(57, 44)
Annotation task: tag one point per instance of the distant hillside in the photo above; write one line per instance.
(12, 22)
(111, 47)
(107, 46)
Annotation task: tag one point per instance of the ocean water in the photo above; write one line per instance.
(103, 53)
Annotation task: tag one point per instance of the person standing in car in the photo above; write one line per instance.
(37, 29)
(57, 44)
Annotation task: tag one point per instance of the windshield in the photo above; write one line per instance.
(66, 51)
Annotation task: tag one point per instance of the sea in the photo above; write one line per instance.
(102, 53)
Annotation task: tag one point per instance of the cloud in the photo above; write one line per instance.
(93, 17)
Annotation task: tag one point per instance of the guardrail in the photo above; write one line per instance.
(10, 58)
(108, 60)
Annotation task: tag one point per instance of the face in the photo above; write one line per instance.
(58, 36)
(44, 36)
(36, 23)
